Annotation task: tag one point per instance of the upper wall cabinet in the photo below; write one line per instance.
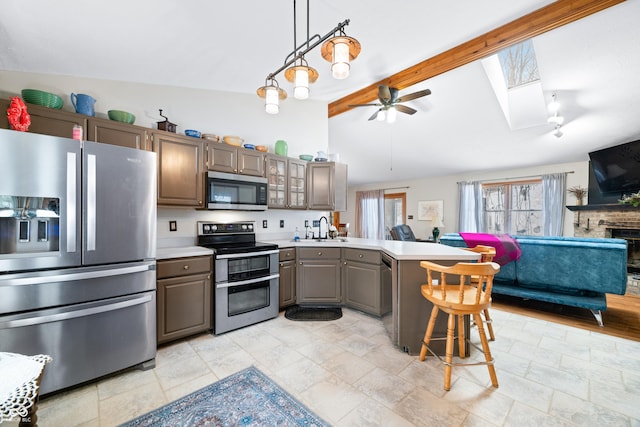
(327, 186)
(232, 159)
(116, 133)
(53, 122)
(287, 179)
(180, 169)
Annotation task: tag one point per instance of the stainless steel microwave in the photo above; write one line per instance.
(236, 192)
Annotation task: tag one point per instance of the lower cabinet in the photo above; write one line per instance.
(287, 272)
(361, 275)
(184, 299)
(318, 276)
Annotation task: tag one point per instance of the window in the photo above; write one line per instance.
(513, 207)
(395, 207)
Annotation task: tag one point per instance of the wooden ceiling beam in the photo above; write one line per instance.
(545, 19)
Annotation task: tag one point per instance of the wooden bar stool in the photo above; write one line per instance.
(487, 253)
(459, 300)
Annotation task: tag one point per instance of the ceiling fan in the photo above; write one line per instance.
(388, 97)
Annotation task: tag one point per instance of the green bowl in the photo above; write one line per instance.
(307, 157)
(121, 116)
(38, 97)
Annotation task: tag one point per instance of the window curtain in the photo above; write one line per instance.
(553, 201)
(470, 217)
(370, 214)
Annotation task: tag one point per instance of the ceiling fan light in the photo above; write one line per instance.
(391, 115)
(381, 116)
(556, 120)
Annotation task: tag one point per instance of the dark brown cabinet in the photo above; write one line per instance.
(318, 276)
(287, 179)
(116, 133)
(180, 169)
(362, 281)
(287, 277)
(232, 159)
(184, 297)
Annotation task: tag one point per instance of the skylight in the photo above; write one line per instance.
(519, 65)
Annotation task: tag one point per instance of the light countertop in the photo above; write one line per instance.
(396, 249)
(181, 252)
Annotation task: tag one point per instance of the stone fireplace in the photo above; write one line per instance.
(619, 221)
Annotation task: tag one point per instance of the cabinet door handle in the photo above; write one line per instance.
(300, 262)
(319, 253)
(345, 263)
(186, 267)
(360, 256)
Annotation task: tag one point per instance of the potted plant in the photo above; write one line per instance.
(579, 193)
(631, 199)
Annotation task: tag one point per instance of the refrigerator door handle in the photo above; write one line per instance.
(38, 320)
(72, 197)
(91, 202)
(68, 277)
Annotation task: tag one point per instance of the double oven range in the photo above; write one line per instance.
(246, 275)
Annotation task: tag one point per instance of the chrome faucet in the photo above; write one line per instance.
(326, 233)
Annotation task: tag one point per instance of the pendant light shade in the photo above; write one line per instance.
(272, 94)
(340, 51)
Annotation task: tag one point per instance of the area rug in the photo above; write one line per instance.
(302, 313)
(246, 398)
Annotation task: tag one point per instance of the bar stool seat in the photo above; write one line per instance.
(459, 300)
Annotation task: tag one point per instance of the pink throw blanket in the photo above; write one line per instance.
(507, 248)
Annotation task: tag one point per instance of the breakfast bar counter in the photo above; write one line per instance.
(410, 312)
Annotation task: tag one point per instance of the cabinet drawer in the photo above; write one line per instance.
(183, 266)
(362, 255)
(319, 253)
(287, 254)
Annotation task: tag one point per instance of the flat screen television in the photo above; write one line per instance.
(617, 169)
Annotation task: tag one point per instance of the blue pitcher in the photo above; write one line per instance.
(83, 104)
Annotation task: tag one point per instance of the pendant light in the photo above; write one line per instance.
(337, 48)
(340, 50)
(272, 94)
(301, 76)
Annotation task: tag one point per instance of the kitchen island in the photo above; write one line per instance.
(410, 312)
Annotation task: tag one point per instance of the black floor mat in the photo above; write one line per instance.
(298, 313)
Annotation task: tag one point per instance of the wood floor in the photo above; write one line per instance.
(621, 319)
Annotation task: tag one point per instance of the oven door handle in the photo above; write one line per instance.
(247, 254)
(246, 282)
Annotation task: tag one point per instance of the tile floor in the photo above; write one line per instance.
(348, 372)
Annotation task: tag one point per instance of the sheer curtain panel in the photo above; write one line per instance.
(553, 201)
(470, 217)
(370, 214)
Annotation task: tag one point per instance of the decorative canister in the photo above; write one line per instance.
(282, 149)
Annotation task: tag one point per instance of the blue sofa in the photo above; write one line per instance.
(571, 271)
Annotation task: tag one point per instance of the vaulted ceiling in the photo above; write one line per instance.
(591, 64)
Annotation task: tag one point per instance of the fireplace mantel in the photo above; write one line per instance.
(609, 207)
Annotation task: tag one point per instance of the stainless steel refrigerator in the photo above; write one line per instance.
(77, 255)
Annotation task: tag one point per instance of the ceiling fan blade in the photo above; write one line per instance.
(366, 105)
(384, 94)
(373, 117)
(414, 95)
(405, 109)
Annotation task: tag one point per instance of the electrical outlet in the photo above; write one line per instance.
(173, 225)
(410, 216)
(282, 223)
(264, 223)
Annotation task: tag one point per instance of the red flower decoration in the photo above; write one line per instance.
(18, 116)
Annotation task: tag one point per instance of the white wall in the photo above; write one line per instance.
(303, 124)
(445, 188)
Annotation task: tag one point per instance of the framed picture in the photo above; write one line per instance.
(430, 209)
